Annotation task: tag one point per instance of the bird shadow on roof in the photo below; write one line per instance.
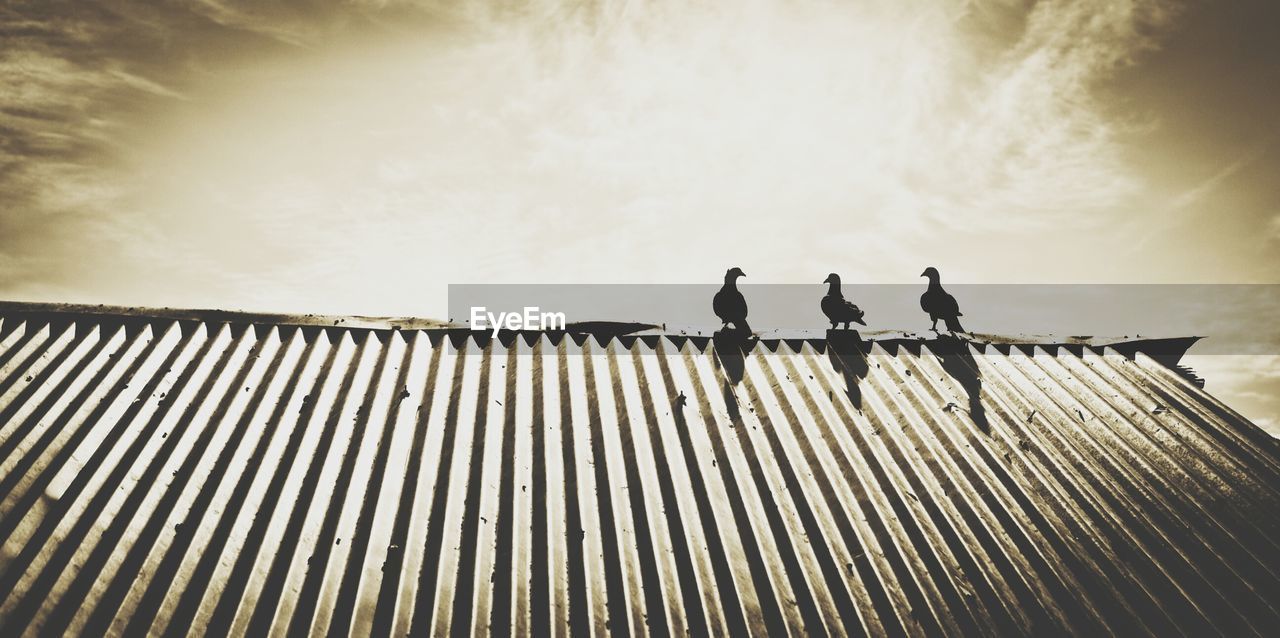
(847, 355)
(731, 348)
(957, 361)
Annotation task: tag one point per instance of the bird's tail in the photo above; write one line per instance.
(953, 324)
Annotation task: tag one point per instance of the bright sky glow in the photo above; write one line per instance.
(360, 157)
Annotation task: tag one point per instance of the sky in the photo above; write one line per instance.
(357, 157)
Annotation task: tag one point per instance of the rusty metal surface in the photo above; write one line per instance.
(175, 477)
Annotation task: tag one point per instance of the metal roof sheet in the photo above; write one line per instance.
(185, 475)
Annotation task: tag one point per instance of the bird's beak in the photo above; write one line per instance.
(924, 274)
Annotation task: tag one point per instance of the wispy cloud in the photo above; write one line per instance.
(1197, 193)
(1197, 199)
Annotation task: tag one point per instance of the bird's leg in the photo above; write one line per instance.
(934, 327)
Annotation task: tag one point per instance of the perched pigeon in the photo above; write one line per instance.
(939, 303)
(836, 307)
(729, 304)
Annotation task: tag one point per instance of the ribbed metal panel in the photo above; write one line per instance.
(175, 477)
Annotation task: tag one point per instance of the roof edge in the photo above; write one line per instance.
(225, 316)
(1167, 350)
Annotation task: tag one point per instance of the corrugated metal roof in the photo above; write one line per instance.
(174, 476)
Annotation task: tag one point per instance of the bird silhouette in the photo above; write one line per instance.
(729, 304)
(837, 308)
(939, 303)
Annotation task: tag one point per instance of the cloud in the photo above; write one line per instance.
(1247, 383)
